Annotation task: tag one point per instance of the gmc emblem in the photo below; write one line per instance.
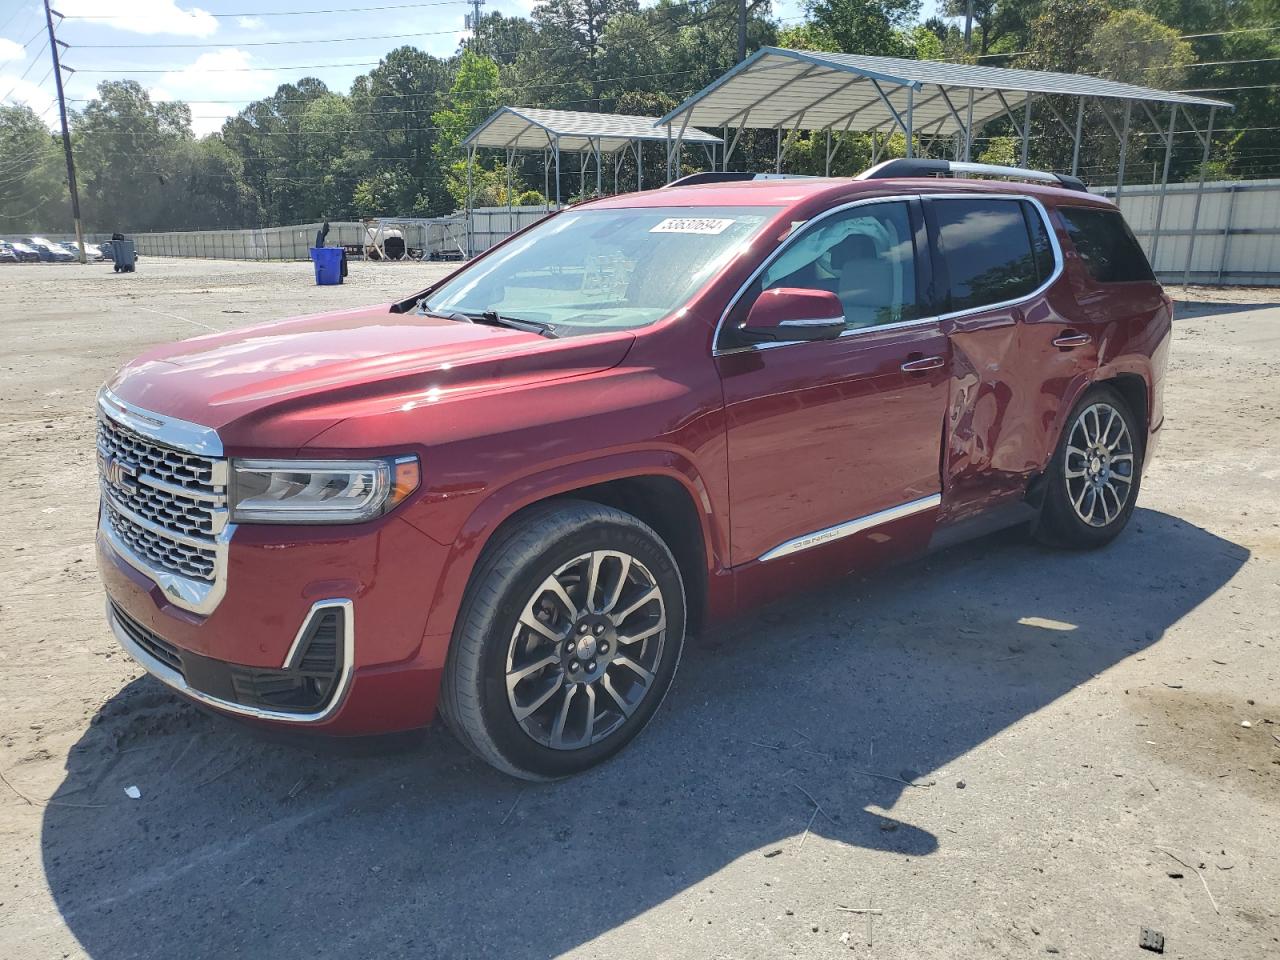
(120, 474)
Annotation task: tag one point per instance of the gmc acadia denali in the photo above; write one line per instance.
(510, 497)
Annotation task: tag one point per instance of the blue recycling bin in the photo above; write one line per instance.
(328, 264)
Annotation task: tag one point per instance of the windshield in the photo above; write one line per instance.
(612, 269)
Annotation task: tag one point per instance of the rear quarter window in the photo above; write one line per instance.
(1106, 245)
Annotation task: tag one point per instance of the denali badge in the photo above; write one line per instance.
(120, 474)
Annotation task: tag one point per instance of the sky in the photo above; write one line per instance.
(220, 59)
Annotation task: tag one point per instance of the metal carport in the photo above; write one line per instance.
(591, 135)
(787, 90)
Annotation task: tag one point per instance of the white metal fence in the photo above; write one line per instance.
(1232, 236)
(439, 238)
(492, 225)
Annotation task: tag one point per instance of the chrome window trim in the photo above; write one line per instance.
(1058, 266)
(170, 431)
(167, 675)
(792, 235)
(850, 527)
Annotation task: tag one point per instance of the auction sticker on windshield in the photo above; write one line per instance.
(706, 226)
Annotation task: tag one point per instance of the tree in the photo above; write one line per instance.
(126, 151)
(33, 187)
(1135, 47)
(472, 97)
(865, 26)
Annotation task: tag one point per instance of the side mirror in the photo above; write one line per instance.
(792, 313)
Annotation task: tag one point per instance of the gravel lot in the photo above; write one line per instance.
(1010, 745)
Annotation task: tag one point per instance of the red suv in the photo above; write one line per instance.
(514, 494)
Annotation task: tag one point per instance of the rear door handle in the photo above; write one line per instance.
(1071, 339)
(923, 364)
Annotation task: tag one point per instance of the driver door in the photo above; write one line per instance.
(836, 444)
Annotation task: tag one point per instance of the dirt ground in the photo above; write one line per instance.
(1017, 752)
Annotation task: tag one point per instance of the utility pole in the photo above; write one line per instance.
(968, 27)
(472, 23)
(742, 30)
(66, 130)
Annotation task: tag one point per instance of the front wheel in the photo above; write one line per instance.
(1093, 480)
(567, 641)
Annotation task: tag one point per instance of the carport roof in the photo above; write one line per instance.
(776, 88)
(533, 128)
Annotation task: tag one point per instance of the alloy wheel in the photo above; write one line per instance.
(585, 650)
(1099, 465)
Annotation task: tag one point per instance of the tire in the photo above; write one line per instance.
(1089, 498)
(493, 671)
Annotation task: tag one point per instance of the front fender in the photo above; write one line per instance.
(501, 503)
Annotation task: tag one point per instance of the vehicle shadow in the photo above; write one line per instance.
(244, 847)
(1190, 309)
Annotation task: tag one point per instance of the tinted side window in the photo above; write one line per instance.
(1106, 245)
(865, 256)
(1040, 244)
(986, 249)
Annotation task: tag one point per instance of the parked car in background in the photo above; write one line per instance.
(26, 253)
(510, 496)
(94, 252)
(7, 253)
(51, 251)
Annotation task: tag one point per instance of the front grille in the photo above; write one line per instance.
(165, 504)
(161, 551)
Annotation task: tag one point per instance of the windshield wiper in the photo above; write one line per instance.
(493, 318)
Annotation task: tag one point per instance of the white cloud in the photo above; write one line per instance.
(11, 50)
(28, 93)
(249, 23)
(144, 16)
(229, 72)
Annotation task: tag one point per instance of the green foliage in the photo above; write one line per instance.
(1002, 151)
(865, 26)
(33, 186)
(1135, 47)
(391, 144)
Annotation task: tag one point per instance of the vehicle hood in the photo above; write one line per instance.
(280, 384)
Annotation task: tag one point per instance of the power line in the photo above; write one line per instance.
(437, 97)
(289, 13)
(18, 82)
(1254, 86)
(260, 43)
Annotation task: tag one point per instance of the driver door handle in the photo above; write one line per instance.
(923, 364)
(1070, 338)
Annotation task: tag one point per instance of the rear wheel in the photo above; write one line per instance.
(1093, 480)
(567, 641)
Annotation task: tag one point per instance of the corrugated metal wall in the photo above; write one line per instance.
(1237, 233)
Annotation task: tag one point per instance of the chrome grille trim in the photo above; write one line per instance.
(164, 501)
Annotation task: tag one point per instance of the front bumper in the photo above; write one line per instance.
(243, 691)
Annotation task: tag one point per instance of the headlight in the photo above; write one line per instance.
(319, 491)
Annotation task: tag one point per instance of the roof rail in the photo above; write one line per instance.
(732, 176)
(932, 168)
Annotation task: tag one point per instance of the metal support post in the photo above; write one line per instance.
(1026, 130)
(1195, 212)
(1164, 183)
(1075, 142)
(1124, 148)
